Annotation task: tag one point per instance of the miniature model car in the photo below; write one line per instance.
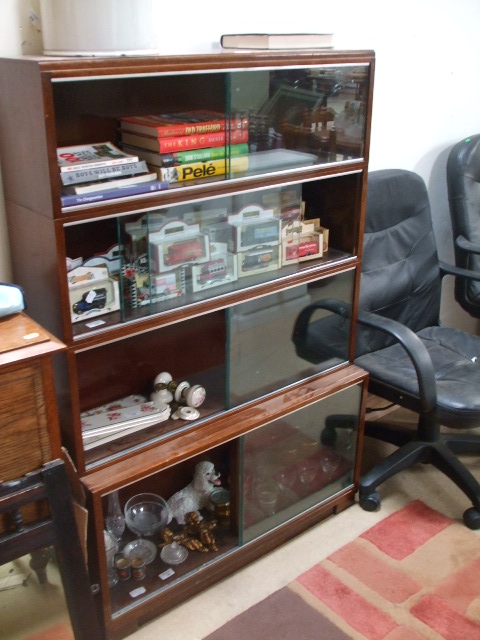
(93, 299)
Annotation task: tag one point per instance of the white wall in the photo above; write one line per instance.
(426, 97)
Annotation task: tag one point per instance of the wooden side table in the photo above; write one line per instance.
(29, 427)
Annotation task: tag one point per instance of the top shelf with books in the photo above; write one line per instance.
(195, 130)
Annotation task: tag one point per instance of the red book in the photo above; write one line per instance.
(185, 143)
(181, 124)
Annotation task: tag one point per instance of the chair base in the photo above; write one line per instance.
(439, 453)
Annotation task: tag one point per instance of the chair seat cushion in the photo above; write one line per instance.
(457, 372)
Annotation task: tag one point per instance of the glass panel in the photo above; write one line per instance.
(297, 462)
(301, 117)
(202, 128)
(262, 356)
(122, 415)
(122, 269)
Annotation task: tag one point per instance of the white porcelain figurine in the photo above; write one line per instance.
(194, 496)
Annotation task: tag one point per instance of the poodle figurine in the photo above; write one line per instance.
(194, 496)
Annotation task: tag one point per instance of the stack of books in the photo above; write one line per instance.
(92, 173)
(188, 146)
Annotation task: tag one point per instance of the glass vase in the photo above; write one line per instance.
(115, 520)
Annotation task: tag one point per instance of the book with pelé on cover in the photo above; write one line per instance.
(199, 170)
(277, 40)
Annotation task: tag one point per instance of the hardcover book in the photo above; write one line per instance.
(198, 170)
(185, 143)
(187, 157)
(103, 173)
(101, 185)
(103, 154)
(69, 200)
(277, 40)
(181, 124)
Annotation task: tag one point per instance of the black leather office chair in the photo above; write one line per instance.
(412, 360)
(463, 181)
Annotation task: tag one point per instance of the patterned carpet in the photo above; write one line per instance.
(414, 575)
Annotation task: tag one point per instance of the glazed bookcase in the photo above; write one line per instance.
(266, 409)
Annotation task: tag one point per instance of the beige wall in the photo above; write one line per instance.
(426, 88)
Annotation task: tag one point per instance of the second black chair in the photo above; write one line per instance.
(411, 359)
(463, 181)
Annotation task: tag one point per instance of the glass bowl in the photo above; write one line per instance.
(146, 513)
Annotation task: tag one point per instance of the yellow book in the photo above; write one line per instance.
(199, 170)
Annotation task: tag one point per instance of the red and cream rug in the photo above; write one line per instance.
(414, 575)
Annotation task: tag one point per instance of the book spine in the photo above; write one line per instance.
(187, 143)
(183, 128)
(198, 170)
(103, 173)
(201, 155)
(79, 166)
(69, 200)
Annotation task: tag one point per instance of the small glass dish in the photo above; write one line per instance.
(141, 548)
(174, 553)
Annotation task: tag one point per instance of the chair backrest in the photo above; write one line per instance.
(400, 268)
(463, 181)
(54, 527)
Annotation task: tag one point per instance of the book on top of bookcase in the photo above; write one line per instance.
(277, 40)
(90, 156)
(182, 124)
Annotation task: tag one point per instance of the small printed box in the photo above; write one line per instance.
(177, 244)
(301, 242)
(320, 229)
(157, 287)
(254, 226)
(92, 292)
(220, 269)
(258, 260)
(325, 234)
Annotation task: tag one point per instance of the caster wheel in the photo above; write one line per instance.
(370, 502)
(471, 518)
(328, 437)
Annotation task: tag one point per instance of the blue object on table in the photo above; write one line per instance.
(12, 299)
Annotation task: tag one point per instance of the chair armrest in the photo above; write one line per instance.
(416, 350)
(451, 270)
(465, 245)
(303, 320)
(412, 344)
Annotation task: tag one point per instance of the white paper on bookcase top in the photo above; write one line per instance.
(100, 27)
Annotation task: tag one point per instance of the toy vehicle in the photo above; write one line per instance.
(302, 250)
(259, 233)
(186, 251)
(257, 259)
(93, 299)
(214, 270)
